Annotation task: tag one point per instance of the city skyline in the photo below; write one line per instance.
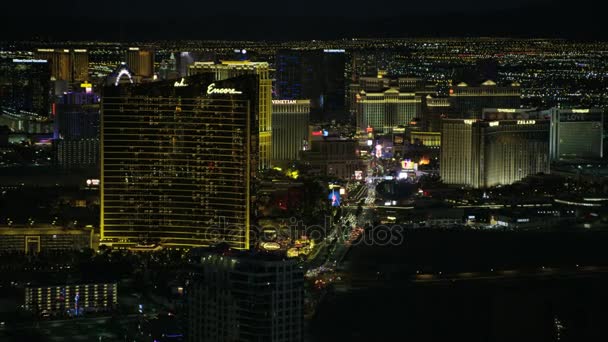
(184, 172)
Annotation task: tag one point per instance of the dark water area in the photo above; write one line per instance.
(523, 310)
(510, 297)
(433, 250)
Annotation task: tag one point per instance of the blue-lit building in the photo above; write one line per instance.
(288, 84)
(76, 137)
(317, 75)
(24, 86)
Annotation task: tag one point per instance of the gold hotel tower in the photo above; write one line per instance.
(178, 158)
(227, 69)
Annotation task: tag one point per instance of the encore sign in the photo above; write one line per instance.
(182, 83)
(211, 89)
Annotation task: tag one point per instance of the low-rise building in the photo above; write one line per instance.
(337, 157)
(34, 239)
(73, 299)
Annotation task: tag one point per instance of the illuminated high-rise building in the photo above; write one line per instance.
(77, 116)
(367, 84)
(317, 75)
(484, 153)
(141, 61)
(80, 65)
(435, 109)
(66, 65)
(25, 86)
(468, 101)
(290, 120)
(576, 134)
(178, 158)
(289, 83)
(60, 61)
(228, 69)
(382, 111)
(76, 143)
(245, 297)
(333, 97)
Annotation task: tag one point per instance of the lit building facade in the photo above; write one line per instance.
(386, 110)
(366, 84)
(76, 153)
(435, 109)
(77, 121)
(429, 139)
(335, 157)
(228, 69)
(60, 61)
(380, 84)
(481, 154)
(468, 101)
(317, 75)
(80, 65)
(141, 61)
(74, 298)
(576, 133)
(65, 64)
(289, 75)
(25, 86)
(290, 119)
(246, 298)
(43, 238)
(411, 84)
(178, 160)
(76, 143)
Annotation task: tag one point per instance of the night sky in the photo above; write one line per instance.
(281, 19)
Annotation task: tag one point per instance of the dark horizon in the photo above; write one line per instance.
(535, 21)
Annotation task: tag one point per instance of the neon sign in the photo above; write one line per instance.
(283, 101)
(211, 89)
(122, 73)
(181, 83)
(526, 122)
(29, 60)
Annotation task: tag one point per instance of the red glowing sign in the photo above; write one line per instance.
(369, 129)
(54, 109)
(317, 133)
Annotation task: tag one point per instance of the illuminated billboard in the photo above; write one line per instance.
(408, 164)
(378, 151)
